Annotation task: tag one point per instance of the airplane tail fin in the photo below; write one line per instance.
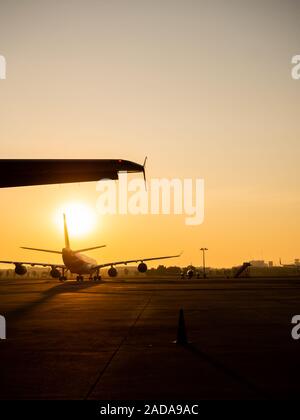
(67, 241)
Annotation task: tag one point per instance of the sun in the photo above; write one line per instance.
(81, 218)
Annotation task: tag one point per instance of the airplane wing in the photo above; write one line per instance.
(32, 264)
(23, 172)
(125, 262)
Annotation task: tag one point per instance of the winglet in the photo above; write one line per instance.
(144, 172)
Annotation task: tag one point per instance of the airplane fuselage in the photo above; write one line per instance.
(78, 263)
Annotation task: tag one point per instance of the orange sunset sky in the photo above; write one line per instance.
(203, 88)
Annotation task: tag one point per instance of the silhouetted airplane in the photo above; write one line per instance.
(25, 172)
(78, 263)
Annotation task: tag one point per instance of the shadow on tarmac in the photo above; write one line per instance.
(48, 295)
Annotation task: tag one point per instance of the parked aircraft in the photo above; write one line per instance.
(77, 263)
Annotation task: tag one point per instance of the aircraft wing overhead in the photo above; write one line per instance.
(32, 264)
(25, 172)
(125, 262)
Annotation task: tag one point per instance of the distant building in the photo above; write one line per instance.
(258, 263)
(271, 264)
(296, 263)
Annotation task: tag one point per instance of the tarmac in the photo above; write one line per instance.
(114, 340)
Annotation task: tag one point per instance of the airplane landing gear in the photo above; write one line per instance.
(79, 279)
(97, 277)
(62, 278)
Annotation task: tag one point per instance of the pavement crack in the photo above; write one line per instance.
(132, 326)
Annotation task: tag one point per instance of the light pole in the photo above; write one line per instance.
(203, 258)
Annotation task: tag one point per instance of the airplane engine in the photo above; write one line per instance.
(55, 273)
(142, 267)
(20, 269)
(190, 273)
(112, 272)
